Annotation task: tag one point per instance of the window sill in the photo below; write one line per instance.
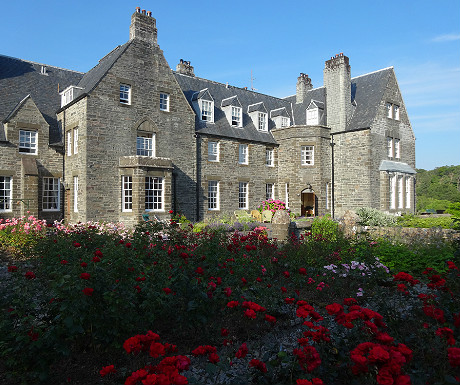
(51, 210)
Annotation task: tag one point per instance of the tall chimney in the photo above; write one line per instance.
(185, 68)
(303, 86)
(143, 27)
(337, 81)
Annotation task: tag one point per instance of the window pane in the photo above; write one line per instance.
(125, 93)
(269, 191)
(307, 155)
(243, 154)
(164, 102)
(127, 193)
(213, 195)
(243, 195)
(236, 116)
(206, 110)
(28, 142)
(153, 194)
(5, 193)
(145, 145)
(51, 194)
(213, 151)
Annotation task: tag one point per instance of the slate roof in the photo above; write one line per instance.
(19, 78)
(392, 166)
(366, 93)
(221, 126)
(92, 78)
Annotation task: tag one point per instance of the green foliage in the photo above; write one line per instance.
(326, 228)
(373, 217)
(454, 209)
(437, 188)
(425, 222)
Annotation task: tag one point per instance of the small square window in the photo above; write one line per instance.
(27, 142)
(285, 121)
(164, 102)
(125, 94)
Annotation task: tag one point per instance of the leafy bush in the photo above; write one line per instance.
(424, 222)
(372, 217)
(325, 227)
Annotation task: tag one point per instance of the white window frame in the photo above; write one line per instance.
(236, 116)
(389, 108)
(392, 192)
(145, 144)
(312, 117)
(243, 154)
(125, 94)
(400, 192)
(126, 193)
(164, 101)
(69, 143)
(269, 191)
(262, 122)
(390, 147)
(75, 140)
(285, 122)
(51, 198)
(154, 193)
(213, 195)
(243, 195)
(28, 142)
(408, 192)
(75, 194)
(396, 112)
(6, 194)
(270, 157)
(213, 151)
(397, 144)
(207, 110)
(307, 155)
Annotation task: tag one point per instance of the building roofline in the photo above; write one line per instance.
(373, 72)
(42, 64)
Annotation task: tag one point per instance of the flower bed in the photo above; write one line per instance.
(166, 305)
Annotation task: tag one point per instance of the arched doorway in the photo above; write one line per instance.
(308, 202)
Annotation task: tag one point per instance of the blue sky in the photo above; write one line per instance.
(276, 40)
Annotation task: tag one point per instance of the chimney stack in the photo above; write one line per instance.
(337, 81)
(143, 27)
(303, 86)
(185, 68)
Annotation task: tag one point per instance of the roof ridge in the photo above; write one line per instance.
(373, 72)
(42, 64)
(228, 86)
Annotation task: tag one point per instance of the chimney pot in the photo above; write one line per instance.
(138, 9)
(143, 11)
(149, 13)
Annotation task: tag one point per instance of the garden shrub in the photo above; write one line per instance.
(372, 217)
(409, 220)
(325, 227)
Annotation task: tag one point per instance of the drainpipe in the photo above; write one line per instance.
(198, 177)
(332, 176)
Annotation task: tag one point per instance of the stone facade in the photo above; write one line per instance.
(132, 137)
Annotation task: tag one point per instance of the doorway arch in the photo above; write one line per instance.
(309, 202)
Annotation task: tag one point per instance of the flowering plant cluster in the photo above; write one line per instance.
(234, 308)
(273, 205)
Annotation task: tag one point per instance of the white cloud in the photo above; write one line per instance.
(446, 37)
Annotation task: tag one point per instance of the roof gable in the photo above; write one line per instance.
(203, 94)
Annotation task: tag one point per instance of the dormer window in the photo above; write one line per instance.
(315, 112)
(69, 94)
(236, 116)
(259, 116)
(203, 103)
(280, 117)
(233, 112)
(262, 118)
(207, 110)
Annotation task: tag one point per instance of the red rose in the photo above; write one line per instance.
(98, 253)
(213, 358)
(242, 351)
(85, 276)
(107, 369)
(454, 356)
(88, 291)
(156, 350)
(258, 365)
(30, 275)
(96, 259)
(12, 268)
(250, 313)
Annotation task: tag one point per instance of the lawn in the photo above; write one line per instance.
(100, 304)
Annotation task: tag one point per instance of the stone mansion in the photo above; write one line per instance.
(131, 136)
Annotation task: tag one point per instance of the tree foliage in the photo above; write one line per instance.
(438, 188)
